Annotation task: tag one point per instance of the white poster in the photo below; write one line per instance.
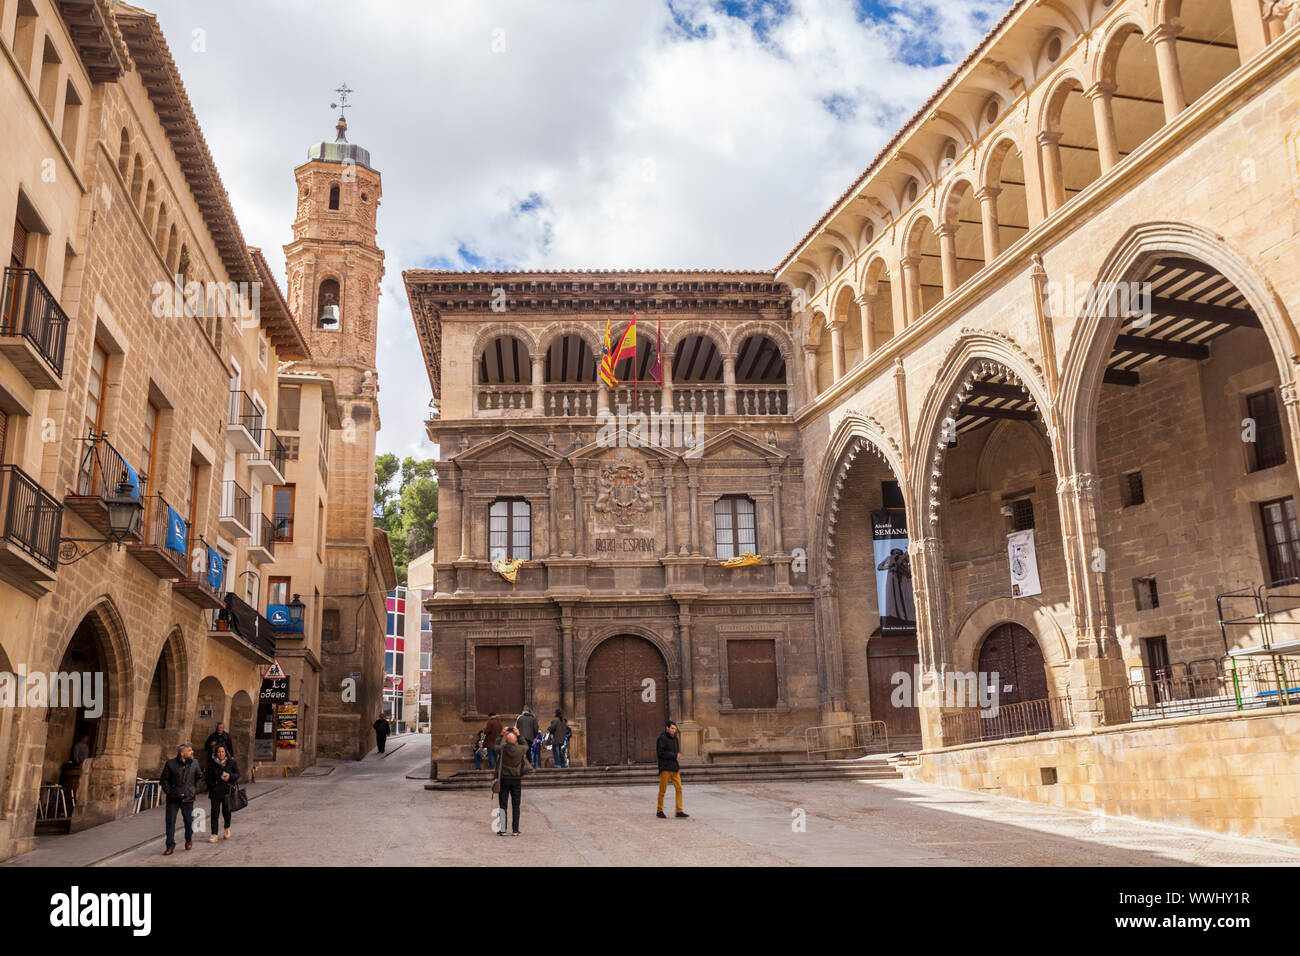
(1024, 564)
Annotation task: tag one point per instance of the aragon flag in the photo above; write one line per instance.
(626, 348)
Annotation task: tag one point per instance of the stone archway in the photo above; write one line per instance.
(211, 710)
(162, 723)
(625, 714)
(241, 729)
(1012, 653)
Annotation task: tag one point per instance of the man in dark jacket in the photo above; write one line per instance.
(668, 747)
(382, 727)
(527, 725)
(219, 738)
(180, 784)
(559, 731)
(514, 767)
(492, 731)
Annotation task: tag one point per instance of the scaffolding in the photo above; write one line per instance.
(1263, 652)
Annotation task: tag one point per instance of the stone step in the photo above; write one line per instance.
(876, 769)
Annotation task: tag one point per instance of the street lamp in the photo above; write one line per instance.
(297, 610)
(124, 512)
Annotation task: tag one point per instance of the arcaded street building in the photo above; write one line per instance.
(1051, 324)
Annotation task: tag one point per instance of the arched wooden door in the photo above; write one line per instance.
(1013, 653)
(625, 715)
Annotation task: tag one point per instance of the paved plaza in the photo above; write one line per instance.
(373, 813)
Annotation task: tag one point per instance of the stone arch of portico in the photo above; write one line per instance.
(988, 459)
(1095, 331)
(1030, 614)
(680, 331)
(553, 333)
(175, 658)
(504, 330)
(671, 663)
(780, 338)
(119, 679)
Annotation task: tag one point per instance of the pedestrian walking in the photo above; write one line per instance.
(221, 775)
(180, 784)
(218, 738)
(511, 770)
(668, 748)
(558, 731)
(527, 726)
(492, 730)
(382, 727)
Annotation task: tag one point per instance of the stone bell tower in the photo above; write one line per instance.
(334, 269)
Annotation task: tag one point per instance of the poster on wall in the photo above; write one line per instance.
(286, 725)
(893, 573)
(1024, 564)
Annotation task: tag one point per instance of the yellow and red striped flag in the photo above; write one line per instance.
(626, 348)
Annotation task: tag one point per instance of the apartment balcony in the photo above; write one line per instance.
(33, 328)
(267, 463)
(29, 535)
(236, 518)
(101, 473)
(240, 627)
(164, 542)
(244, 424)
(261, 545)
(283, 527)
(195, 588)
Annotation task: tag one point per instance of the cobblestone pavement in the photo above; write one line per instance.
(369, 813)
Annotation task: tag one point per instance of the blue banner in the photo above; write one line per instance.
(175, 531)
(216, 569)
(132, 479)
(281, 619)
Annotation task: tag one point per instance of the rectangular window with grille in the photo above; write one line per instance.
(1281, 538)
(1022, 515)
(733, 526)
(1134, 493)
(510, 530)
(1270, 445)
(1145, 594)
(751, 673)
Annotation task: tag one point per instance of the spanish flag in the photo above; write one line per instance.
(626, 348)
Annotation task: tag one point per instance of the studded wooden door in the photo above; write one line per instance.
(1013, 653)
(625, 714)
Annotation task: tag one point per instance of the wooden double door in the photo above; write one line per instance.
(1013, 654)
(627, 701)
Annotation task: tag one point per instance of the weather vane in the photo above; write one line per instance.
(342, 104)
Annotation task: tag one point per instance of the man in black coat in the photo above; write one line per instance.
(382, 728)
(668, 748)
(219, 738)
(180, 784)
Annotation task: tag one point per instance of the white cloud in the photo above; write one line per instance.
(645, 139)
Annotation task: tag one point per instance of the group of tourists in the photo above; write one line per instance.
(180, 781)
(514, 752)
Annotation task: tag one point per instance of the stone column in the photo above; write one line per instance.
(539, 389)
(667, 397)
(837, 348)
(568, 671)
(687, 659)
(1291, 403)
(579, 515)
(1103, 117)
(1248, 24)
(462, 486)
(1171, 77)
(867, 312)
(1049, 158)
(948, 255)
(778, 535)
(930, 588)
(988, 200)
(693, 483)
(810, 372)
(552, 523)
(911, 288)
(669, 482)
(729, 382)
(832, 658)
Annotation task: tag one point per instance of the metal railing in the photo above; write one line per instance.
(28, 309)
(244, 411)
(282, 526)
(859, 737)
(103, 469)
(1239, 685)
(247, 623)
(157, 527)
(1024, 719)
(33, 518)
(273, 449)
(263, 534)
(236, 504)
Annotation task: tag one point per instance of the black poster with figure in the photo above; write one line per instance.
(893, 573)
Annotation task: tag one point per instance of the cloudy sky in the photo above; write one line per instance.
(531, 134)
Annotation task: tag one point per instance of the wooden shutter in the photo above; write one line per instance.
(4, 431)
(751, 673)
(499, 679)
(18, 251)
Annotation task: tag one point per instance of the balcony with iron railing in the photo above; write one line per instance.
(267, 463)
(261, 545)
(197, 588)
(33, 328)
(29, 535)
(282, 527)
(243, 629)
(236, 510)
(244, 423)
(584, 399)
(100, 475)
(164, 541)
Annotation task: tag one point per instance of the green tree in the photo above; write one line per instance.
(406, 506)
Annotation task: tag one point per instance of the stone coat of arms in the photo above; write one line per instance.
(621, 492)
